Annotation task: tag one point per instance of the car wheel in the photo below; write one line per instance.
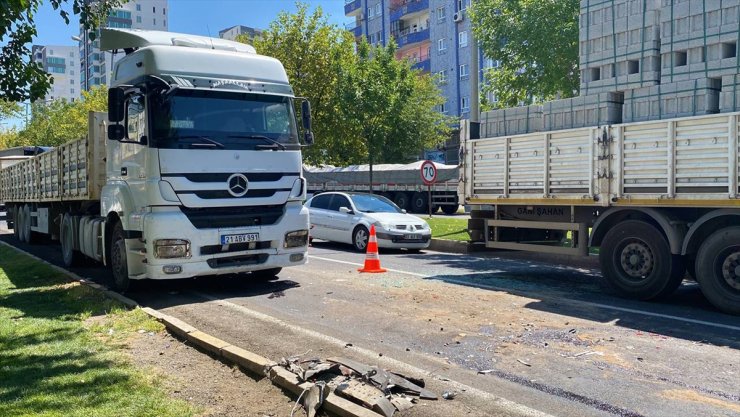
(636, 262)
(360, 238)
(119, 259)
(718, 269)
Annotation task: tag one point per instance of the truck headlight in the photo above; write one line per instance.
(171, 248)
(296, 239)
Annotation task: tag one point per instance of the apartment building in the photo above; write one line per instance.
(61, 62)
(435, 34)
(231, 33)
(95, 65)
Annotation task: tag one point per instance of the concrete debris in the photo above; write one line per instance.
(378, 389)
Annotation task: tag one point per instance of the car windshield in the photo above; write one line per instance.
(368, 203)
(223, 120)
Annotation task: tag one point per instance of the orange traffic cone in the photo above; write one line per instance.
(372, 259)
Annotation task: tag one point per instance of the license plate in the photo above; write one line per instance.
(412, 237)
(240, 238)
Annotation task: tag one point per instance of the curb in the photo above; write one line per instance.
(449, 246)
(221, 349)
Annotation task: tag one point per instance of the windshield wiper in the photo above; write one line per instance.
(208, 142)
(273, 143)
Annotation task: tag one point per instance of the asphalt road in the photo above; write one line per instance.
(541, 336)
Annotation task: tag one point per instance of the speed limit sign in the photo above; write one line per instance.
(428, 172)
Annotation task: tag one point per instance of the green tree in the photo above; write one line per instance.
(389, 106)
(536, 43)
(60, 121)
(20, 78)
(310, 49)
(8, 138)
(9, 109)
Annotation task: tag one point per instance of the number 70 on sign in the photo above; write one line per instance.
(428, 172)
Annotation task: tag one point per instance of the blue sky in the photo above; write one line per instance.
(188, 16)
(194, 16)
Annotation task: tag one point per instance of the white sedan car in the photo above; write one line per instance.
(347, 217)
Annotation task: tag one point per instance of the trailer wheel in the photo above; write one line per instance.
(402, 200)
(25, 224)
(66, 238)
(16, 223)
(419, 203)
(636, 262)
(118, 259)
(450, 209)
(718, 269)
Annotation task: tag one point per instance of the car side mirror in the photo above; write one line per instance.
(116, 132)
(403, 211)
(116, 104)
(346, 210)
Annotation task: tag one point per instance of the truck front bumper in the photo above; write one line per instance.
(207, 256)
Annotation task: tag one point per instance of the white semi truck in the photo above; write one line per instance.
(194, 171)
(659, 198)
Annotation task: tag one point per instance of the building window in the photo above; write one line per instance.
(154, 9)
(463, 70)
(463, 4)
(71, 82)
(441, 45)
(378, 9)
(154, 20)
(164, 10)
(463, 38)
(442, 77)
(465, 103)
(442, 108)
(71, 90)
(370, 12)
(164, 22)
(71, 72)
(138, 7)
(71, 54)
(138, 19)
(441, 13)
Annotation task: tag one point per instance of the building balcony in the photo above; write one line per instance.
(424, 65)
(406, 7)
(406, 37)
(355, 28)
(352, 7)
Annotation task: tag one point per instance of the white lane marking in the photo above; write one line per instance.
(395, 363)
(587, 303)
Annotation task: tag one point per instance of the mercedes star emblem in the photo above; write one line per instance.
(238, 185)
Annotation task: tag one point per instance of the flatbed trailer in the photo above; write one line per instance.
(658, 199)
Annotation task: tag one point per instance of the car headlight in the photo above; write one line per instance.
(171, 248)
(425, 226)
(296, 239)
(381, 225)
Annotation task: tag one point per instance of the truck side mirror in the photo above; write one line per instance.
(116, 132)
(116, 104)
(306, 118)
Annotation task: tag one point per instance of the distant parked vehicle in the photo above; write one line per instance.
(347, 217)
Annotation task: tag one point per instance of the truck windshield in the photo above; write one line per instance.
(223, 120)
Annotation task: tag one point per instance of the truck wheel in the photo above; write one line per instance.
(66, 238)
(16, 223)
(360, 238)
(402, 200)
(636, 262)
(450, 209)
(118, 259)
(265, 274)
(25, 226)
(718, 269)
(419, 203)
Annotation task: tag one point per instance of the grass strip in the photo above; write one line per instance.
(449, 228)
(62, 349)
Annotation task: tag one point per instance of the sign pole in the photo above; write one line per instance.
(429, 177)
(429, 193)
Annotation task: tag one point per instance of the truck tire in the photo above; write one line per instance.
(450, 209)
(25, 227)
(718, 269)
(636, 262)
(419, 203)
(265, 274)
(119, 259)
(70, 256)
(16, 223)
(402, 200)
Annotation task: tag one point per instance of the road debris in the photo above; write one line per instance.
(523, 362)
(380, 390)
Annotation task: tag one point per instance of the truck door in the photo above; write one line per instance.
(133, 155)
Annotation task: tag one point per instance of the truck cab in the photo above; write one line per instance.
(203, 160)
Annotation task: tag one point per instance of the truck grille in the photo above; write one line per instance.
(237, 261)
(235, 247)
(221, 217)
